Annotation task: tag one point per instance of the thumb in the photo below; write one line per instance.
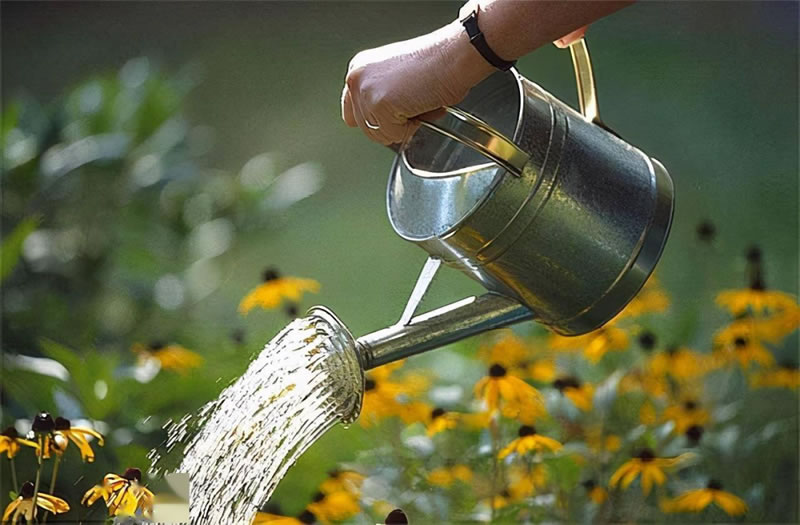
(571, 38)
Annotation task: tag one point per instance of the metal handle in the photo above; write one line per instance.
(492, 144)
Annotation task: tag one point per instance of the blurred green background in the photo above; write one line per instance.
(176, 223)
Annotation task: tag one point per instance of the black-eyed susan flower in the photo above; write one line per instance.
(542, 370)
(342, 480)
(596, 493)
(775, 328)
(644, 380)
(581, 394)
(43, 428)
(787, 375)
(23, 505)
(335, 506)
(698, 499)
(382, 393)
(679, 363)
(512, 396)
(594, 344)
(500, 500)
(525, 481)
(447, 475)
(507, 350)
(647, 340)
(123, 495)
(440, 420)
(170, 356)
(396, 517)
(649, 466)
(10, 442)
(599, 443)
(304, 518)
(529, 441)
(756, 298)
(274, 289)
(686, 414)
(739, 343)
(64, 432)
(477, 420)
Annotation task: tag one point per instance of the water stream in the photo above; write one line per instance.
(238, 447)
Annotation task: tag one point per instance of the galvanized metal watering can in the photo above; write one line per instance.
(556, 216)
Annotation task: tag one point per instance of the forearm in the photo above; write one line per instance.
(514, 28)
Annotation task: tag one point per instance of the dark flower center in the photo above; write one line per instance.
(754, 254)
(43, 422)
(505, 493)
(155, 344)
(788, 365)
(589, 484)
(319, 496)
(672, 350)
(396, 517)
(437, 412)
(757, 282)
(740, 342)
(566, 382)
(11, 432)
(270, 274)
(27, 490)
(690, 405)
(369, 384)
(238, 336)
(497, 370)
(647, 340)
(694, 433)
(133, 474)
(292, 310)
(706, 231)
(646, 455)
(63, 423)
(714, 484)
(307, 517)
(333, 474)
(526, 430)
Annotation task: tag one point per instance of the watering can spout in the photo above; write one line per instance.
(439, 327)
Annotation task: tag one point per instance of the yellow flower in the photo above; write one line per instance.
(649, 466)
(342, 481)
(775, 328)
(123, 495)
(498, 501)
(335, 506)
(525, 481)
(511, 395)
(275, 289)
(645, 381)
(304, 518)
(508, 351)
(541, 370)
(756, 300)
(650, 299)
(529, 440)
(64, 432)
(440, 420)
(10, 442)
(23, 505)
(685, 415)
(170, 357)
(698, 499)
(381, 396)
(594, 344)
(680, 363)
(785, 376)
(599, 443)
(595, 492)
(446, 476)
(738, 343)
(581, 394)
(476, 421)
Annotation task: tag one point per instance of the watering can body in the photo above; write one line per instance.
(536, 201)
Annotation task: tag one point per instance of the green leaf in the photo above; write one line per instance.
(12, 245)
(12, 494)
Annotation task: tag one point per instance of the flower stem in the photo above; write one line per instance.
(36, 487)
(53, 481)
(14, 475)
(493, 433)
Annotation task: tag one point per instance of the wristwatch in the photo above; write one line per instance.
(477, 39)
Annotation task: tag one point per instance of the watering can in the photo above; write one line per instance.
(560, 219)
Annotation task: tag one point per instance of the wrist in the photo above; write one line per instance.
(460, 59)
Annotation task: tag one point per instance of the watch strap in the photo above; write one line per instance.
(478, 40)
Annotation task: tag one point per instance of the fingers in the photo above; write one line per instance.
(571, 38)
(370, 129)
(347, 108)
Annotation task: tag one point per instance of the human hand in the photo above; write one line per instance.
(388, 87)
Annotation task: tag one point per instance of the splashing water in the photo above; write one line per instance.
(305, 380)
